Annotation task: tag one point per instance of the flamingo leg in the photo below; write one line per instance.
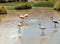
(43, 33)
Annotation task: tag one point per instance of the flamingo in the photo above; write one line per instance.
(55, 22)
(19, 31)
(19, 26)
(42, 28)
(24, 17)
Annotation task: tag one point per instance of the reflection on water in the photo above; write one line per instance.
(43, 40)
(30, 29)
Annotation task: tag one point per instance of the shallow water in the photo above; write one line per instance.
(31, 33)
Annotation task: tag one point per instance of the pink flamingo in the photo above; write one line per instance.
(24, 17)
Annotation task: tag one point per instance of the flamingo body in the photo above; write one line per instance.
(54, 21)
(22, 17)
(26, 15)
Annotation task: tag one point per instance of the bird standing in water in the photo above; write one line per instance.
(55, 24)
(42, 29)
(19, 26)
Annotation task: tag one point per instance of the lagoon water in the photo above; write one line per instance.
(31, 33)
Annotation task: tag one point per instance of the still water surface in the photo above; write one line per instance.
(31, 33)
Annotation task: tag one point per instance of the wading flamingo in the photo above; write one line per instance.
(55, 23)
(42, 29)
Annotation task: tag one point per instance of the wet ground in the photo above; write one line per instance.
(31, 33)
